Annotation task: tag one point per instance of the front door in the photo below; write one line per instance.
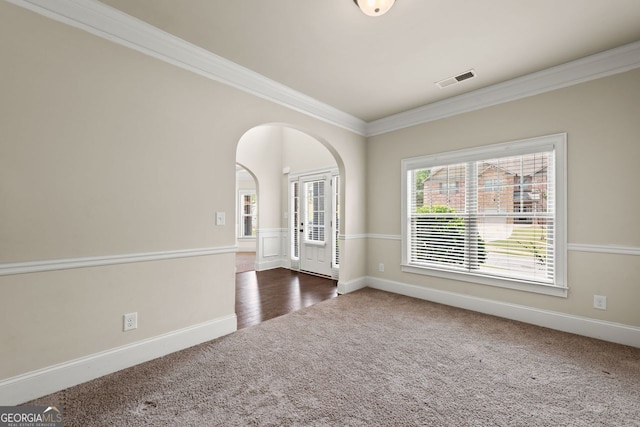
(315, 225)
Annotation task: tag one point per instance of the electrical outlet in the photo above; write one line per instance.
(220, 218)
(600, 302)
(381, 267)
(130, 321)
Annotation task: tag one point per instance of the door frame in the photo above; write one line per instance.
(331, 232)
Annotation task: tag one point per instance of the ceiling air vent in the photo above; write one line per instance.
(456, 79)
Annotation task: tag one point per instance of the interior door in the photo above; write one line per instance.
(315, 225)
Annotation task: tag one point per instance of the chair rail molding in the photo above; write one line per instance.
(7, 269)
(575, 247)
(384, 236)
(352, 236)
(605, 249)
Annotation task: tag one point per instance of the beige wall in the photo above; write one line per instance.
(265, 151)
(105, 151)
(54, 317)
(301, 153)
(602, 126)
(260, 151)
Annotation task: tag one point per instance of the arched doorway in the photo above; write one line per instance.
(299, 200)
(246, 219)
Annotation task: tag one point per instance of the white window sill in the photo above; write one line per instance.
(521, 285)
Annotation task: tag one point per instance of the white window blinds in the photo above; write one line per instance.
(336, 221)
(295, 220)
(476, 213)
(315, 228)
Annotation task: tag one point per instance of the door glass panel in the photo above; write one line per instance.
(295, 218)
(336, 223)
(315, 227)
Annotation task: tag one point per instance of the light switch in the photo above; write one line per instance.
(220, 218)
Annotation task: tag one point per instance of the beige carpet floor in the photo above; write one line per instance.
(373, 358)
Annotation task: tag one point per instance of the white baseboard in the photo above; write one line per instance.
(25, 387)
(352, 285)
(600, 329)
(270, 265)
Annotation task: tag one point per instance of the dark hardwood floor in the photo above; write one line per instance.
(267, 294)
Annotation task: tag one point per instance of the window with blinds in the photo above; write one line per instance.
(315, 229)
(336, 221)
(495, 213)
(295, 220)
(248, 213)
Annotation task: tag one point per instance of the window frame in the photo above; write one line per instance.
(451, 187)
(335, 222)
(334, 182)
(294, 219)
(492, 185)
(241, 215)
(315, 230)
(555, 142)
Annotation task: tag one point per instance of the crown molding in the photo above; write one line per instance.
(116, 26)
(614, 61)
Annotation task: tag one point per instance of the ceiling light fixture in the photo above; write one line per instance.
(374, 7)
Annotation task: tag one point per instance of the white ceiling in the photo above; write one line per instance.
(374, 67)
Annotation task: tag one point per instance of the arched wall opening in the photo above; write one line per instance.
(283, 159)
(247, 218)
